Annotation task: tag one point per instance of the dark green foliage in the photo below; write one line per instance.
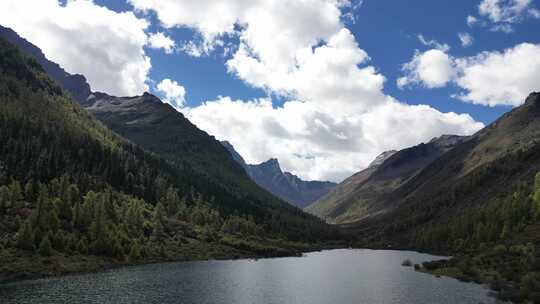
(497, 244)
(45, 247)
(25, 236)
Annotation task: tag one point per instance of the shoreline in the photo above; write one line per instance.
(99, 264)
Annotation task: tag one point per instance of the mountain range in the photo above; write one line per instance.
(363, 194)
(89, 180)
(284, 185)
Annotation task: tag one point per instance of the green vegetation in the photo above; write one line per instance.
(406, 263)
(498, 244)
(74, 196)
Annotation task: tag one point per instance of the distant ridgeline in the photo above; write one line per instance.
(69, 186)
(284, 185)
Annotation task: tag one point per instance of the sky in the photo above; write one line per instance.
(322, 85)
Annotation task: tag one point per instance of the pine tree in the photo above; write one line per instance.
(45, 247)
(82, 246)
(30, 191)
(25, 237)
(505, 232)
(15, 193)
(79, 220)
(135, 251)
(172, 201)
(5, 201)
(98, 231)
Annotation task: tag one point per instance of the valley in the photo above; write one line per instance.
(147, 196)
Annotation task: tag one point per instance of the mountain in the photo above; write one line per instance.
(490, 164)
(363, 194)
(75, 84)
(479, 202)
(76, 196)
(284, 185)
(157, 127)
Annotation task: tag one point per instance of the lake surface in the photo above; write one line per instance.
(328, 277)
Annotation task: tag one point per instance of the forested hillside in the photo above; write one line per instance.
(479, 202)
(79, 196)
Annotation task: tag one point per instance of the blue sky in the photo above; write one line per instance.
(313, 83)
(386, 29)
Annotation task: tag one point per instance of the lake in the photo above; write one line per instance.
(346, 276)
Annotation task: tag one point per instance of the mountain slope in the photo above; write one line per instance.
(75, 84)
(490, 165)
(480, 203)
(157, 127)
(364, 194)
(284, 185)
(75, 196)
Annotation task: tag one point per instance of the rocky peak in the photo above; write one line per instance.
(533, 99)
(448, 141)
(272, 166)
(382, 158)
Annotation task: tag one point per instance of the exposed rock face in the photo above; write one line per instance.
(381, 158)
(282, 184)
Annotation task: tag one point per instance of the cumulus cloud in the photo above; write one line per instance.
(489, 78)
(313, 141)
(500, 15)
(466, 39)
(335, 117)
(105, 46)
(173, 93)
(471, 21)
(161, 41)
(500, 78)
(432, 69)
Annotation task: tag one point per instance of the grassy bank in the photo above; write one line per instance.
(19, 265)
(512, 272)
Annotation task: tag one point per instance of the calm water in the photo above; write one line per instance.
(329, 277)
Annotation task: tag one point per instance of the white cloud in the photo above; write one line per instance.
(433, 43)
(500, 15)
(103, 45)
(316, 143)
(471, 21)
(466, 39)
(500, 78)
(173, 93)
(432, 69)
(335, 117)
(161, 41)
(505, 10)
(490, 78)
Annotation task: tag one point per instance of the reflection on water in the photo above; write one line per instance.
(336, 277)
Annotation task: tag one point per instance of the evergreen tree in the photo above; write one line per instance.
(25, 236)
(172, 201)
(30, 191)
(82, 246)
(98, 232)
(5, 201)
(15, 193)
(135, 251)
(45, 247)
